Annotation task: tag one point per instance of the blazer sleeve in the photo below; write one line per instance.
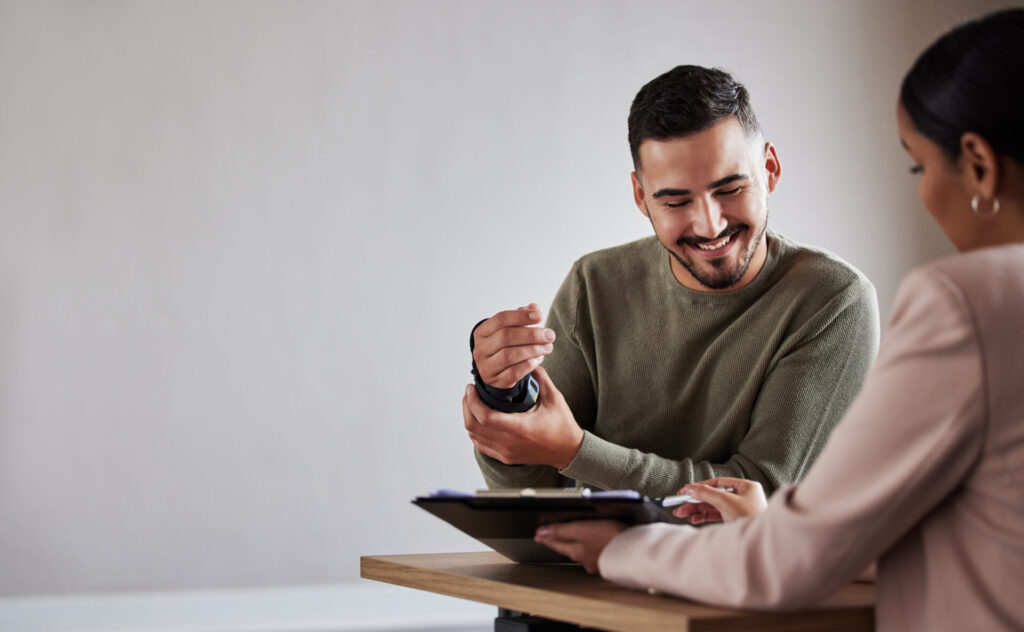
(905, 444)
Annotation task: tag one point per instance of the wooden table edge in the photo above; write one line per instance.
(601, 614)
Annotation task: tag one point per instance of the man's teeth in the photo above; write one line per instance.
(716, 245)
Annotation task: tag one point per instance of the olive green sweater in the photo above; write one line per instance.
(673, 385)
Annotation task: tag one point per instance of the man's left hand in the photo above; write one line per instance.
(547, 434)
(582, 540)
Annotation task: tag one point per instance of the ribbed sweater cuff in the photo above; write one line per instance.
(598, 463)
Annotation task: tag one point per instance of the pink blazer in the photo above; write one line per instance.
(925, 474)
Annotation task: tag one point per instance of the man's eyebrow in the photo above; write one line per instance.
(727, 179)
(714, 185)
(670, 192)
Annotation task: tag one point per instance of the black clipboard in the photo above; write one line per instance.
(507, 524)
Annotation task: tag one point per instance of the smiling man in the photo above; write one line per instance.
(716, 232)
(715, 348)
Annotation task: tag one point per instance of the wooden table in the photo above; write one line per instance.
(568, 593)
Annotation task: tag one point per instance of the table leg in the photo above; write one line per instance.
(513, 621)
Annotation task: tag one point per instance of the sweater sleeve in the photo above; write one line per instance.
(570, 372)
(799, 402)
(905, 445)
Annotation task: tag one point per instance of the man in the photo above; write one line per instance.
(715, 348)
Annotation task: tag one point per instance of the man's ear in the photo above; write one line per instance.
(638, 194)
(980, 166)
(772, 166)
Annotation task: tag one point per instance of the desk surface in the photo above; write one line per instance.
(568, 593)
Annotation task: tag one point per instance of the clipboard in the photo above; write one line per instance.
(506, 520)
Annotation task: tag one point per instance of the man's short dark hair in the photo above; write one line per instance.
(684, 101)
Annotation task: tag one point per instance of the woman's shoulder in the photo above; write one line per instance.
(979, 275)
(1003, 258)
(983, 289)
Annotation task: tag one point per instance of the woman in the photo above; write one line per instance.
(926, 471)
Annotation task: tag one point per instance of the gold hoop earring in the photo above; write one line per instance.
(990, 214)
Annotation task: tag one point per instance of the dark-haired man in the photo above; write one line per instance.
(715, 348)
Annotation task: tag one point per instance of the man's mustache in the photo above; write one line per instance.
(696, 241)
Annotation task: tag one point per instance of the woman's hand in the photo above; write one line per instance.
(746, 499)
(582, 540)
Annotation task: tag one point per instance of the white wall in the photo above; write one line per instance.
(242, 245)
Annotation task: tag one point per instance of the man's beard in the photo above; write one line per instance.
(722, 277)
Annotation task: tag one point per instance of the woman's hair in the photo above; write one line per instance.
(972, 80)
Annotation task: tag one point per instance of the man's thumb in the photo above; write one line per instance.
(547, 387)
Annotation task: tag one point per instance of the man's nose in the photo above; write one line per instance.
(709, 222)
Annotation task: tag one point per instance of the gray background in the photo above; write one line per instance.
(242, 245)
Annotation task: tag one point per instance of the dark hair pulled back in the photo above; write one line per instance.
(972, 80)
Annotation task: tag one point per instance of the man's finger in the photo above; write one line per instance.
(484, 421)
(508, 377)
(509, 318)
(468, 420)
(486, 347)
(484, 415)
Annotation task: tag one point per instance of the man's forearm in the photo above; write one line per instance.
(498, 475)
(606, 465)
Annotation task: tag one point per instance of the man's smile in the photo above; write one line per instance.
(713, 249)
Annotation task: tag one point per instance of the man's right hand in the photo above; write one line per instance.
(507, 346)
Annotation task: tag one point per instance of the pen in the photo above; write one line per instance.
(672, 501)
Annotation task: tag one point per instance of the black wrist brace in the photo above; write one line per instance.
(518, 399)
